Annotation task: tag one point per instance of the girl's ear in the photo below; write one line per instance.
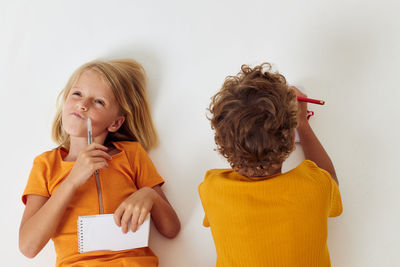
(117, 123)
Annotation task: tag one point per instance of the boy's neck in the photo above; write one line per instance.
(258, 173)
(77, 144)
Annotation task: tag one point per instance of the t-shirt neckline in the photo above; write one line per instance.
(63, 150)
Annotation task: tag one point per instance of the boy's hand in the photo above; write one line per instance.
(135, 209)
(92, 158)
(302, 111)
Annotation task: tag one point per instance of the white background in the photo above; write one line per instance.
(345, 52)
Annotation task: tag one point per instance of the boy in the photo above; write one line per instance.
(258, 215)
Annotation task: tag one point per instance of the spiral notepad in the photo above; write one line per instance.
(99, 232)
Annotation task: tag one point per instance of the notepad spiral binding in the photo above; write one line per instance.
(80, 235)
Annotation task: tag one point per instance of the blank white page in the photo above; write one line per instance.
(99, 232)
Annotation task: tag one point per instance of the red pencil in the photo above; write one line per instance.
(309, 100)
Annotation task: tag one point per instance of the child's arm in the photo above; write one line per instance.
(138, 205)
(41, 218)
(313, 150)
(42, 215)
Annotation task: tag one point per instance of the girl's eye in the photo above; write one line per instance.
(76, 93)
(101, 102)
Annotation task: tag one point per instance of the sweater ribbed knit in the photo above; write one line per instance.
(274, 221)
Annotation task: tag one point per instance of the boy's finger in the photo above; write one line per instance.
(298, 92)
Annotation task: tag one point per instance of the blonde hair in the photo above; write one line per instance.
(127, 79)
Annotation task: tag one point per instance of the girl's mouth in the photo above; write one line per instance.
(77, 115)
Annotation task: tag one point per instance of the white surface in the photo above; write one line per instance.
(99, 232)
(345, 52)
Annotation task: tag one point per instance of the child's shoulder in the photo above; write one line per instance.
(127, 144)
(130, 147)
(311, 170)
(218, 172)
(213, 177)
(309, 165)
(49, 155)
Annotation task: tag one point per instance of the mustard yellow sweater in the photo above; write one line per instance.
(274, 221)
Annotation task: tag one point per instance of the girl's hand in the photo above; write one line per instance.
(92, 158)
(135, 209)
(302, 107)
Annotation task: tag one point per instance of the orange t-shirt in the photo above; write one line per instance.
(275, 221)
(128, 171)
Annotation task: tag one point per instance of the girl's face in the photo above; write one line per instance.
(91, 97)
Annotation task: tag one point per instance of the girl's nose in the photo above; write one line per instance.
(83, 106)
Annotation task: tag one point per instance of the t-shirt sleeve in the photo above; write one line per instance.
(335, 207)
(37, 182)
(202, 193)
(145, 172)
(205, 221)
(336, 200)
(332, 189)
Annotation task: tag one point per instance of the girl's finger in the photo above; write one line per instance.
(100, 165)
(94, 146)
(135, 218)
(143, 216)
(99, 153)
(126, 218)
(99, 161)
(118, 215)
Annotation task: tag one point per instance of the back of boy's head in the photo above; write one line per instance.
(254, 116)
(127, 79)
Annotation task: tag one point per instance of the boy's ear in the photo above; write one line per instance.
(117, 123)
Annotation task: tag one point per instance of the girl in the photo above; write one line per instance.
(62, 184)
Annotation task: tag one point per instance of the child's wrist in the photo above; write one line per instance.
(302, 123)
(153, 194)
(71, 183)
(148, 191)
(303, 127)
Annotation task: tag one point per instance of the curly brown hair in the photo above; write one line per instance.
(253, 116)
